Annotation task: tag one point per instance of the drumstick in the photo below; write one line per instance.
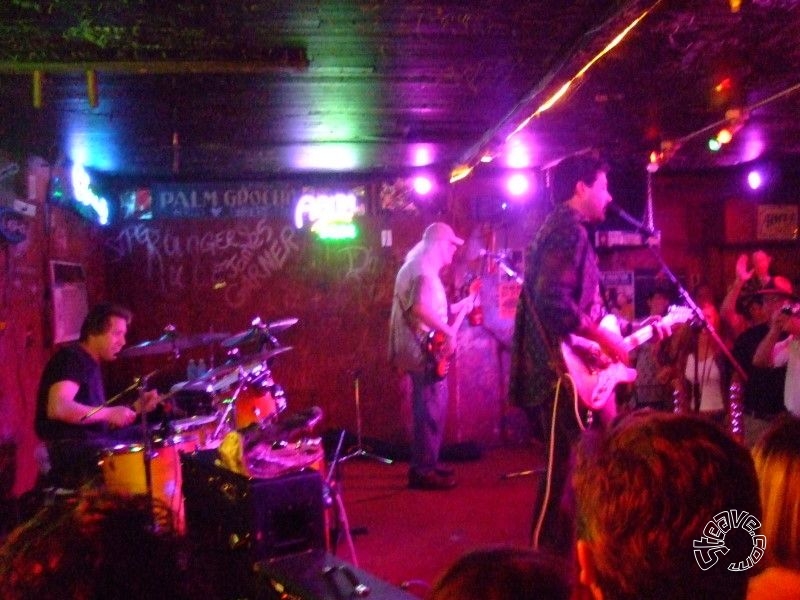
(116, 397)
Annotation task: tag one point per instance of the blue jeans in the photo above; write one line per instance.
(429, 410)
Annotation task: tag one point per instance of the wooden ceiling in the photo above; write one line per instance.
(257, 89)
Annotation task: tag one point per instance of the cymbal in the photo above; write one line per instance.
(225, 375)
(259, 332)
(171, 342)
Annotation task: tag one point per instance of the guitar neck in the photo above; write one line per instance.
(638, 337)
(460, 316)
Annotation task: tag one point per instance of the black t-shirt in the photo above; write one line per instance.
(70, 363)
(763, 391)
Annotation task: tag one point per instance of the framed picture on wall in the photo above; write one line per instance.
(777, 222)
(70, 299)
(620, 292)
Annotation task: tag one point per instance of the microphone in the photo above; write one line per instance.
(637, 225)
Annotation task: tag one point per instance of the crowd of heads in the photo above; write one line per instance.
(96, 546)
(645, 492)
(777, 461)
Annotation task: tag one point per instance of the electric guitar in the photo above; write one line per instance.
(594, 373)
(435, 342)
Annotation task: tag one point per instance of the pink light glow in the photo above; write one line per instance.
(422, 185)
(517, 184)
(754, 180)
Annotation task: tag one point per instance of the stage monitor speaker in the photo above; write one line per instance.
(256, 518)
(318, 575)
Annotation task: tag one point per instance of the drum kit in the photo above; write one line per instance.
(240, 395)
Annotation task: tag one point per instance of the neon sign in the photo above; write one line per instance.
(328, 215)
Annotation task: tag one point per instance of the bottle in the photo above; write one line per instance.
(191, 370)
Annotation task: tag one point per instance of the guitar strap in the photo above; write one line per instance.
(554, 358)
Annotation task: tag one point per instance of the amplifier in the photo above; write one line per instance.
(256, 518)
(318, 575)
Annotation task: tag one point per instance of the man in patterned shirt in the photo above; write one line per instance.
(560, 296)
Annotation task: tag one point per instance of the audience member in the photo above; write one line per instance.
(504, 573)
(733, 310)
(97, 547)
(646, 491)
(773, 351)
(656, 360)
(777, 460)
(706, 371)
(762, 392)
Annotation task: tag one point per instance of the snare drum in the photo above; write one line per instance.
(124, 472)
(258, 402)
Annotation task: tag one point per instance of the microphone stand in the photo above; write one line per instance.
(699, 316)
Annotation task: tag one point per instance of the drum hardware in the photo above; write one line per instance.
(260, 333)
(232, 367)
(171, 343)
(116, 397)
(335, 497)
(359, 450)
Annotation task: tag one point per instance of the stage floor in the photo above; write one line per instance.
(409, 537)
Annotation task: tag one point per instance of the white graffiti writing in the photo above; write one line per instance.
(237, 259)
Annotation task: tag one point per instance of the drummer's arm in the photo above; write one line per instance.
(62, 406)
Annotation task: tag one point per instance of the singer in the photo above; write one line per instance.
(69, 389)
(560, 296)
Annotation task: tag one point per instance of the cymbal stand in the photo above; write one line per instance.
(359, 451)
(332, 483)
(230, 404)
(147, 449)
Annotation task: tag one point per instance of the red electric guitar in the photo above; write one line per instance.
(435, 342)
(594, 373)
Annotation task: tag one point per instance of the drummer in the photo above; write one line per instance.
(70, 390)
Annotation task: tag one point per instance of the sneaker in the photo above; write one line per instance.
(429, 481)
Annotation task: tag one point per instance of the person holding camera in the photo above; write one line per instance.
(773, 351)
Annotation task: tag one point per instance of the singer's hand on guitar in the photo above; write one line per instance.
(661, 329)
(611, 342)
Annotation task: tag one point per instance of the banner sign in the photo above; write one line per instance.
(777, 222)
(215, 200)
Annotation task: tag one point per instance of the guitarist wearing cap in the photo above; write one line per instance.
(560, 301)
(421, 340)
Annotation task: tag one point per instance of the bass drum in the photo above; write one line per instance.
(123, 471)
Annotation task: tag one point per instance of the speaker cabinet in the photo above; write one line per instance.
(256, 518)
(318, 575)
